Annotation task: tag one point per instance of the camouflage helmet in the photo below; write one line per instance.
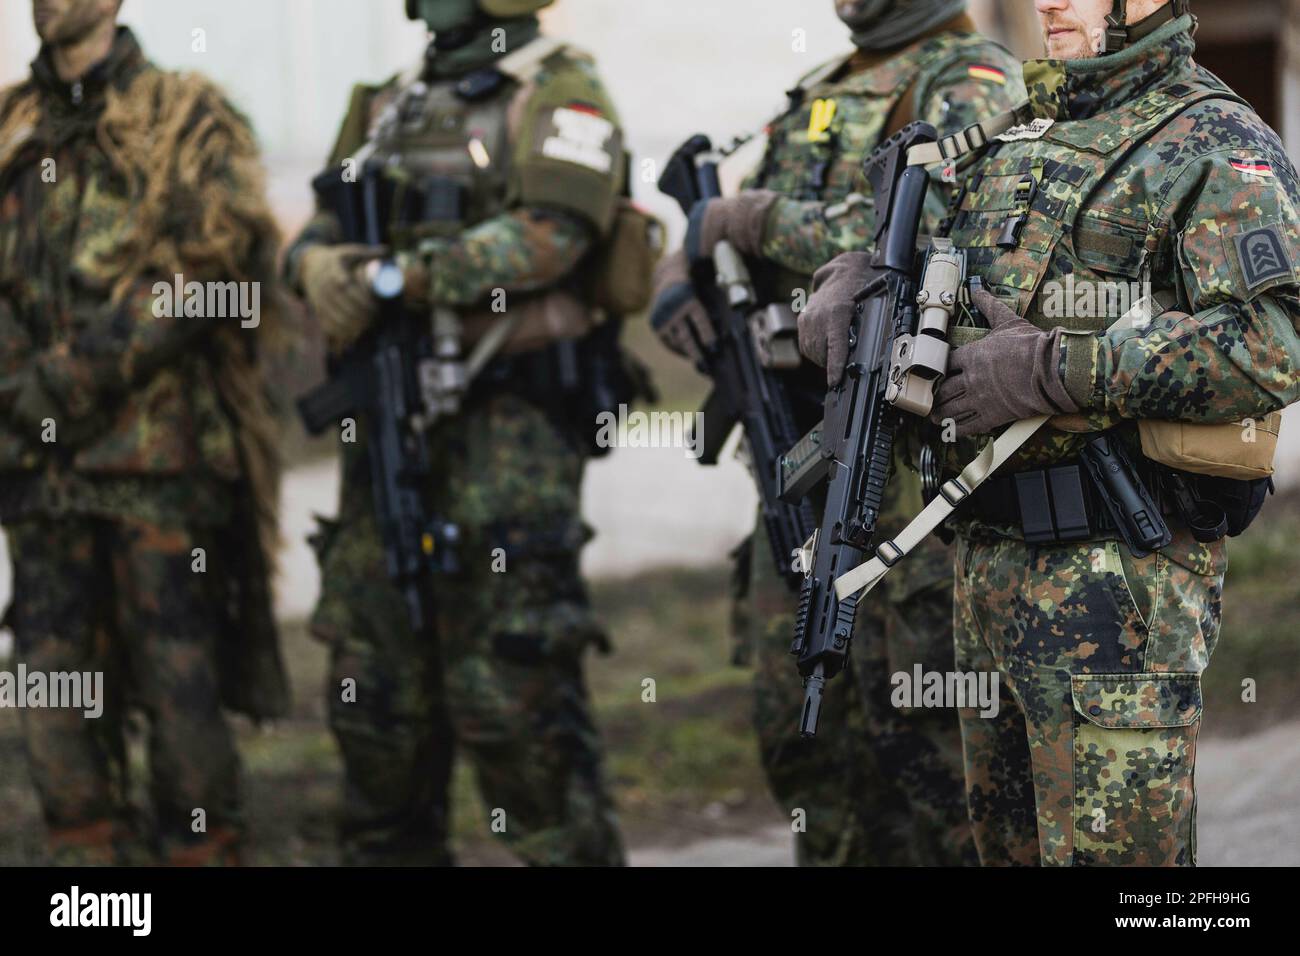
(885, 24)
(446, 14)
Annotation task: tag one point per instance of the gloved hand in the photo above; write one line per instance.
(335, 286)
(1011, 374)
(28, 404)
(824, 322)
(677, 316)
(739, 219)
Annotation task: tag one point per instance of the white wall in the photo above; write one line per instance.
(674, 66)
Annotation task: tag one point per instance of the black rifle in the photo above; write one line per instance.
(746, 391)
(379, 380)
(857, 434)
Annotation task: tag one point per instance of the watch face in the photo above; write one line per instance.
(386, 280)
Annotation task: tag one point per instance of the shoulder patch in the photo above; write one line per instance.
(578, 133)
(1252, 167)
(987, 73)
(1263, 256)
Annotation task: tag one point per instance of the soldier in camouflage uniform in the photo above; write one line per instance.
(523, 128)
(879, 784)
(1139, 166)
(134, 434)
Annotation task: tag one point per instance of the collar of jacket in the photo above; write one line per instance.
(1080, 89)
(482, 49)
(863, 60)
(124, 62)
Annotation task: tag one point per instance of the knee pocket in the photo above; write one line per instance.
(1134, 757)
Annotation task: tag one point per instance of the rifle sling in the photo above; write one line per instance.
(866, 576)
(967, 141)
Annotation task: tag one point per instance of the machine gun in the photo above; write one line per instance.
(389, 379)
(751, 341)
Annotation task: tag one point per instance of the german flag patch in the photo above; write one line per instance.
(1251, 167)
(989, 74)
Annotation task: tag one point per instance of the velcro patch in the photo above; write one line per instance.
(1263, 256)
(1252, 167)
(990, 74)
(1030, 131)
(578, 135)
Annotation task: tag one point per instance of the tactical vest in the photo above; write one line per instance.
(448, 135)
(1027, 216)
(815, 149)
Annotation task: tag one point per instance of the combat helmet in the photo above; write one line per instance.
(450, 14)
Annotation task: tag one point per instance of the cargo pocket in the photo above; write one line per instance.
(1134, 755)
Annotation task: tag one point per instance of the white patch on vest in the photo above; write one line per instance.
(1035, 130)
(580, 138)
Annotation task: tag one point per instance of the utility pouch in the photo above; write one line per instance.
(1215, 508)
(622, 265)
(1242, 451)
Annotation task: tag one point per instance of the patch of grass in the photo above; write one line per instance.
(1259, 641)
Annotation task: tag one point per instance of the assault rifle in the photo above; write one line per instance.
(898, 350)
(751, 341)
(389, 379)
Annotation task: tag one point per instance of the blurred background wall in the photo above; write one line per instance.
(675, 66)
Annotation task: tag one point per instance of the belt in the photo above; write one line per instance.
(1054, 504)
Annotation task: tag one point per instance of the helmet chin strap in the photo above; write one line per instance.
(1119, 34)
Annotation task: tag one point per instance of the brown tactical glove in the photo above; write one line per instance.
(740, 219)
(824, 322)
(677, 316)
(334, 284)
(1011, 374)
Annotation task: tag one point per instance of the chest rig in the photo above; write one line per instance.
(815, 148)
(1036, 210)
(445, 149)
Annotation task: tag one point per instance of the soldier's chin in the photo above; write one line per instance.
(1069, 45)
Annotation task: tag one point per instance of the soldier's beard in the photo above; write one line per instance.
(1069, 38)
(69, 23)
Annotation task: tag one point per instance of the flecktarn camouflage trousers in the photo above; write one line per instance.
(1090, 758)
(124, 599)
(500, 678)
(879, 785)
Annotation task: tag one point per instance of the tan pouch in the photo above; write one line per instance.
(621, 268)
(1241, 450)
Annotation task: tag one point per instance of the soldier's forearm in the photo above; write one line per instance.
(524, 250)
(1222, 365)
(143, 336)
(322, 229)
(804, 236)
